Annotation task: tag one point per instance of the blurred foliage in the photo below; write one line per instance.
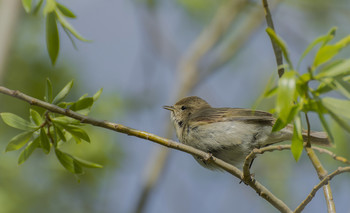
(55, 13)
(41, 184)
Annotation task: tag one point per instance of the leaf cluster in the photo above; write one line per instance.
(295, 95)
(55, 13)
(49, 131)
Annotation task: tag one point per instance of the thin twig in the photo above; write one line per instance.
(334, 156)
(323, 182)
(259, 188)
(321, 172)
(277, 50)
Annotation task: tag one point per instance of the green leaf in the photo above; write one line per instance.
(63, 93)
(326, 85)
(48, 91)
(312, 105)
(343, 87)
(97, 94)
(65, 120)
(77, 133)
(25, 154)
(327, 52)
(17, 122)
(338, 106)
(27, 4)
(44, 141)
(59, 131)
(65, 11)
(279, 124)
(37, 7)
(285, 95)
(19, 141)
(87, 164)
(52, 37)
(274, 37)
(325, 39)
(83, 106)
(320, 113)
(49, 7)
(68, 162)
(65, 24)
(35, 117)
(271, 92)
(297, 139)
(340, 68)
(340, 121)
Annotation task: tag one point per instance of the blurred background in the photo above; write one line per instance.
(146, 54)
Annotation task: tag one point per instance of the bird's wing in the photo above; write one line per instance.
(212, 115)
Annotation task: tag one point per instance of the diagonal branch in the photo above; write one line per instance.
(323, 182)
(277, 50)
(321, 171)
(258, 187)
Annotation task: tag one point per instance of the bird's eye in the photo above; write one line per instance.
(183, 108)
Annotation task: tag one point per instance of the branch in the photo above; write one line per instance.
(323, 182)
(249, 159)
(258, 187)
(321, 171)
(252, 155)
(276, 48)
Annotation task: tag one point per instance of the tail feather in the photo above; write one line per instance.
(318, 138)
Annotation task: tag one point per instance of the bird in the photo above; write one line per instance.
(229, 134)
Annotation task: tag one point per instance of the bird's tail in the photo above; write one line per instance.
(318, 138)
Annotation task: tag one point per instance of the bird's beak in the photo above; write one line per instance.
(171, 108)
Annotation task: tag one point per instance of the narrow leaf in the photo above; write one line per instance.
(83, 106)
(297, 139)
(281, 44)
(87, 164)
(17, 122)
(27, 4)
(65, 11)
(324, 39)
(340, 121)
(78, 132)
(279, 124)
(59, 131)
(25, 154)
(323, 120)
(285, 95)
(65, 24)
(19, 141)
(338, 106)
(68, 162)
(63, 93)
(52, 37)
(65, 120)
(327, 52)
(37, 7)
(50, 7)
(97, 94)
(343, 87)
(340, 68)
(35, 117)
(48, 90)
(44, 141)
